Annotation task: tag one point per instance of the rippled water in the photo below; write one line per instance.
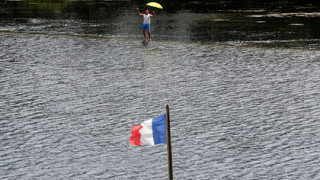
(69, 102)
(191, 21)
(242, 105)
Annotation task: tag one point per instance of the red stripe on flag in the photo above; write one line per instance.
(135, 136)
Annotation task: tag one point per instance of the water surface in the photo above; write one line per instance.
(273, 24)
(72, 88)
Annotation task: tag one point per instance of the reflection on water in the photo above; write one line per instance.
(258, 25)
(75, 77)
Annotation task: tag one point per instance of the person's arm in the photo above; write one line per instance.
(139, 12)
(153, 15)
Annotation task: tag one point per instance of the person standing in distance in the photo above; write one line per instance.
(146, 22)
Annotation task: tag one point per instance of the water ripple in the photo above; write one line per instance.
(68, 104)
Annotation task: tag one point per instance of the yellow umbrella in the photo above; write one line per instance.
(154, 4)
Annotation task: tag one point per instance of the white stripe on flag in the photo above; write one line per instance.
(147, 133)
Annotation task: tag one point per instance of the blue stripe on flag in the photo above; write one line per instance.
(159, 129)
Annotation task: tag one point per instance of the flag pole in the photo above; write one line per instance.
(169, 144)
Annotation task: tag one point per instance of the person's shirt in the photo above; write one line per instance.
(146, 19)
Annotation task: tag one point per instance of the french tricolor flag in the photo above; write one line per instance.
(150, 132)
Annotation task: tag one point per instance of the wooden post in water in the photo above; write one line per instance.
(169, 143)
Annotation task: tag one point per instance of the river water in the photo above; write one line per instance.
(243, 105)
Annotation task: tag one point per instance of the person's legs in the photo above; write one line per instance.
(144, 34)
(149, 35)
(146, 27)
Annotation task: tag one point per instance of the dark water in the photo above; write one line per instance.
(268, 24)
(243, 105)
